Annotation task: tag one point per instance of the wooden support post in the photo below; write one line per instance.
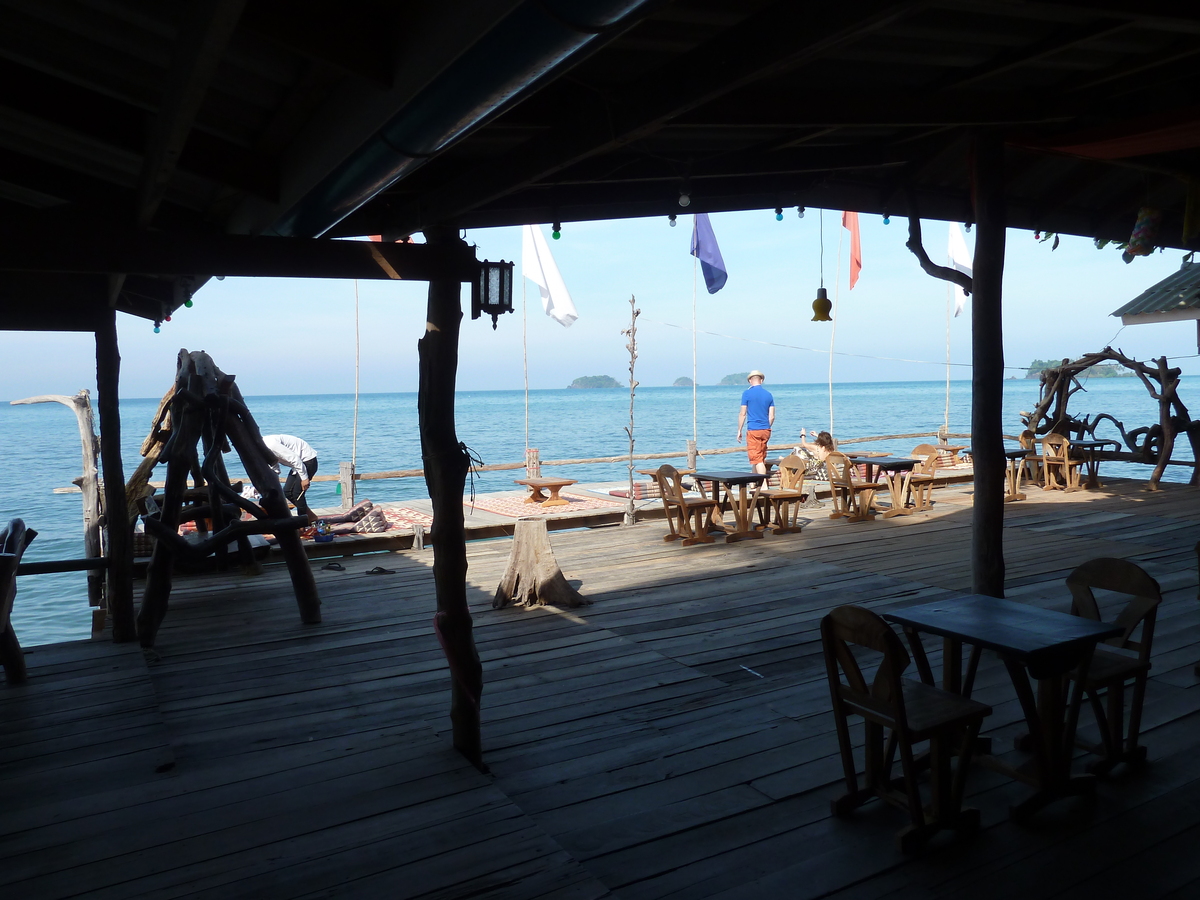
(446, 465)
(987, 368)
(691, 455)
(533, 463)
(120, 536)
(346, 483)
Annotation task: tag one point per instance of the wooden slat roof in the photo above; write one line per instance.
(363, 117)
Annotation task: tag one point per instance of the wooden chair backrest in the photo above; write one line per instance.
(667, 477)
(791, 473)
(929, 455)
(1122, 577)
(14, 538)
(848, 626)
(841, 470)
(922, 451)
(1055, 446)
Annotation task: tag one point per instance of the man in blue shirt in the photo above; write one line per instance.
(758, 413)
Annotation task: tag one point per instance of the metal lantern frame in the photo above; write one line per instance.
(492, 290)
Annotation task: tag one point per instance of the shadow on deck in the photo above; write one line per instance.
(671, 740)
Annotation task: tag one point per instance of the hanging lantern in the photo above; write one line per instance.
(491, 291)
(822, 306)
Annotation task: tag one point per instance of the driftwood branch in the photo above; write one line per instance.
(945, 273)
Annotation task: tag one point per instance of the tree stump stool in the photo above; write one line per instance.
(533, 577)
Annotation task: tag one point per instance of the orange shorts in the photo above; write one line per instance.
(756, 445)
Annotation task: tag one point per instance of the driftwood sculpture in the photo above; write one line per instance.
(89, 484)
(1151, 444)
(207, 407)
(13, 540)
(532, 577)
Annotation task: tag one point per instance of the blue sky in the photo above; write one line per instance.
(294, 336)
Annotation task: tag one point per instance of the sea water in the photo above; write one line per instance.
(40, 447)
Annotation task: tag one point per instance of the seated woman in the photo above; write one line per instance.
(816, 454)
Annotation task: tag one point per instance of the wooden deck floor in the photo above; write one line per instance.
(671, 740)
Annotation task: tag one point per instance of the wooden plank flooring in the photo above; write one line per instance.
(672, 740)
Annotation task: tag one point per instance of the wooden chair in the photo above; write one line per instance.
(920, 482)
(1057, 462)
(14, 538)
(1127, 660)
(688, 518)
(785, 500)
(852, 498)
(945, 456)
(911, 712)
(1034, 471)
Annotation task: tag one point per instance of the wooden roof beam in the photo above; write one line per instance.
(53, 243)
(772, 41)
(201, 42)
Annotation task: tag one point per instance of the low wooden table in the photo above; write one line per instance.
(1033, 643)
(953, 450)
(553, 485)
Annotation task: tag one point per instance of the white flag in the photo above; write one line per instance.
(960, 259)
(538, 266)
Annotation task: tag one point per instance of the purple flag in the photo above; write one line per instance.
(705, 249)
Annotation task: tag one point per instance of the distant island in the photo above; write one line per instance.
(595, 381)
(1103, 370)
(682, 381)
(736, 378)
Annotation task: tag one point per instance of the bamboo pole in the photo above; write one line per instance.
(987, 367)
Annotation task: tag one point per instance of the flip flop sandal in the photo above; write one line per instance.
(335, 566)
(380, 570)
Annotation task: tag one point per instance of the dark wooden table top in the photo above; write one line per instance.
(1047, 641)
(1093, 445)
(730, 477)
(885, 462)
(1022, 453)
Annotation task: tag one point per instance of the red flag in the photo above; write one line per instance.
(850, 222)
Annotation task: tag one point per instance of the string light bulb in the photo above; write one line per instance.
(157, 327)
(887, 219)
(779, 214)
(671, 220)
(556, 231)
(799, 212)
(685, 199)
(967, 227)
(167, 319)
(188, 303)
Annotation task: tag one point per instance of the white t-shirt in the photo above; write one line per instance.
(291, 451)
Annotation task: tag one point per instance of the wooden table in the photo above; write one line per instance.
(953, 450)
(1088, 450)
(743, 503)
(1016, 468)
(1033, 643)
(553, 485)
(896, 472)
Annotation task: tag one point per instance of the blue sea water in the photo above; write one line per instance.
(39, 447)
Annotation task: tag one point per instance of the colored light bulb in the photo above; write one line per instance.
(887, 220)
(157, 329)
(188, 302)
(778, 214)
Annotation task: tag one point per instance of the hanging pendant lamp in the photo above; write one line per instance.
(821, 306)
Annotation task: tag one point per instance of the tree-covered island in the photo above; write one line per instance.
(595, 381)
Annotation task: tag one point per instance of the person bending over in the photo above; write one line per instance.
(295, 453)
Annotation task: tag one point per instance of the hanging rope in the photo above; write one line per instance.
(695, 265)
(525, 359)
(354, 433)
(949, 303)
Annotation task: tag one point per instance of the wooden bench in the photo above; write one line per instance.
(553, 485)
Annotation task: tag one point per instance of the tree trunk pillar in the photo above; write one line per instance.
(987, 368)
(446, 465)
(120, 537)
(346, 483)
